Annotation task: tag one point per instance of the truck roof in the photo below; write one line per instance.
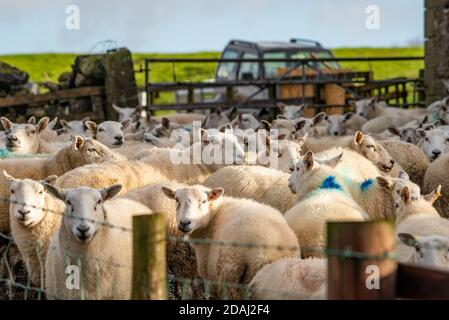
(293, 44)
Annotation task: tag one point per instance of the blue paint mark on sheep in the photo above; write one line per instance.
(330, 183)
(365, 185)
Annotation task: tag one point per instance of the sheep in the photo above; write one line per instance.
(373, 108)
(34, 216)
(437, 175)
(434, 142)
(361, 143)
(181, 258)
(110, 133)
(25, 138)
(409, 157)
(204, 213)
(408, 132)
(305, 126)
(291, 279)
(215, 119)
(264, 185)
(81, 152)
(321, 196)
(342, 124)
(381, 124)
(291, 112)
(132, 113)
(245, 121)
(419, 228)
(77, 127)
(95, 235)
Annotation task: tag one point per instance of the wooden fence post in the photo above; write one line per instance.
(149, 281)
(362, 274)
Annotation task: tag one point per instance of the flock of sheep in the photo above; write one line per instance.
(254, 227)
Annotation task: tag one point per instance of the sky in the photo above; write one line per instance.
(29, 26)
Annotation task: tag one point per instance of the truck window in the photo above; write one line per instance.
(227, 70)
(249, 70)
(271, 68)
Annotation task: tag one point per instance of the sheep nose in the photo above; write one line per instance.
(185, 223)
(12, 138)
(335, 133)
(392, 162)
(82, 229)
(24, 212)
(292, 169)
(436, 152)
(118, 138)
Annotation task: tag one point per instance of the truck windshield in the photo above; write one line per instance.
(274, 69)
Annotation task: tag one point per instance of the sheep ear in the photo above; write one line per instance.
(265, 125)
(403, 175)
(308, 160)
(302, 140)
(64, 123)
(8, 177)
(318, 118)
(434, 195)
(281, 106)
(126, 123)
(55, 191)
(405, 195)
(385, 182)
(7, 124)
(50, 180)
(116, 108)
(169, 192)
(52, 123)
(334, 161)
(42, 124)
(422, 133)
(32, 120)
(268, 141)
(110, 192)
(408, 239)
(352, 103)
(77, 142)
(166, 122)
(205, 139)
(300, 124)
(358, 138)
(372, 102)
(92, 126)
(394, 130)
(348, 116)
(214, 194)
(85, 119)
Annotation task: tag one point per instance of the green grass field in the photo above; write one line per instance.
(54, 64)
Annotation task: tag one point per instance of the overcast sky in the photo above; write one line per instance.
(28, 26)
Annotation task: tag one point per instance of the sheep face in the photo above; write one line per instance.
(88, 151)
(373, 151)
(284, 127)
(291, 112)
(288, 153)
(149, 138)
(193, 206)
(365, 107)
(337, 123)
(407, 134)
(216, 119)
(434, 142)
(221, 148)
(27, 200)
(23, 138)
(430, 251)
(246, 121)
(125, 113)
(394, 187)
(109, 133)
(77, 127)
(85, 213)
(309, 173)
(304, 126)
(164, 129)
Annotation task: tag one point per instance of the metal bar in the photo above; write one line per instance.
(147, 85)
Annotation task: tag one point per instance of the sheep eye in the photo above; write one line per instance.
(68, 203)
(98, 202)
(41, 192)
(121, 128)
(12, 191)
(427, 139)
(91, 150)
(279, 155)
(32, 131)
(100, 130)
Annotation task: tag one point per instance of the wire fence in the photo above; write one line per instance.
(26, 263)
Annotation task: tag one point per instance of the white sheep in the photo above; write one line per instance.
(109, 133)
(434, 142)
(344, 124)
(94, 235)
(34, 216)
(291, 111)
(321, 196)
(205, 214)
(423, 234)
(245, 121)
(264, 185)
(215, 119)
(291, 279)
(77, 127)
(373, 108)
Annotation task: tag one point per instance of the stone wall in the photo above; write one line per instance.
(436, 33)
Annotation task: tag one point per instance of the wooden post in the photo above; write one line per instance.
(149, 260)
(361, 276)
